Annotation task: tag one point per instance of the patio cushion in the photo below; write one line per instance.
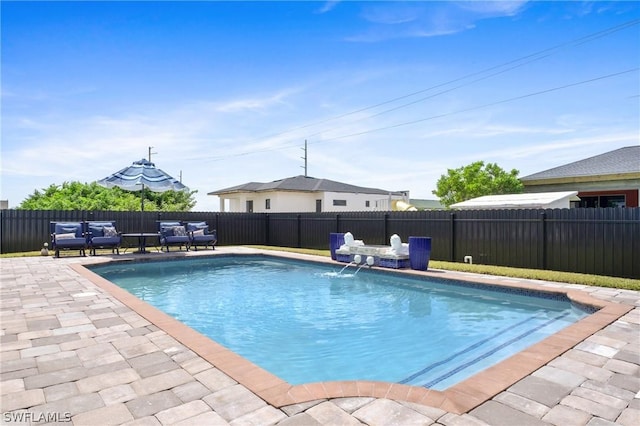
(110, 231)
(194, 226)
(105, 241)
(166, 228)
(96, 231)
(179, 231)
(169, 224)
(66, 236)
(67, 228)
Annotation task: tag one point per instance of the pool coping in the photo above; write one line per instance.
(457, 399)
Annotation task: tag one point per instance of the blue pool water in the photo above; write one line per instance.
(305, 322)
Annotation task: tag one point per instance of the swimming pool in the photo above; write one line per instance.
(305, 323)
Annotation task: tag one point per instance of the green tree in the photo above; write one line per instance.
(476, 180)
(91, 196)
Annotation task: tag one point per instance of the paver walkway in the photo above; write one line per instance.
(71, 352)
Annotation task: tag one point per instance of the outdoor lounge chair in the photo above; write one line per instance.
(68, 236)
(199, 235)
(103, 235)
(172, 233)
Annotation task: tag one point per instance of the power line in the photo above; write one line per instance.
(516, 98)
(433, 117)
(515, 63)
(527, 59)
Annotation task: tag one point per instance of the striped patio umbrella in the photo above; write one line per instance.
(140, 175)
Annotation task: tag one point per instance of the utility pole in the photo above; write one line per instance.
(305, 158)
(151, 153)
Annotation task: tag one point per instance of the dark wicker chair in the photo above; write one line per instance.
(68, 236)
(103, 235)
(200, 235)
(173, 233)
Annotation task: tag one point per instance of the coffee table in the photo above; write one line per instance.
(142, 240)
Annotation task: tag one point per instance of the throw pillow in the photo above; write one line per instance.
(179, 231)
(110, 231)
(199, 232)
(65, 236)
(96, 231)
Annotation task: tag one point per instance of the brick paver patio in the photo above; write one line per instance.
(72, 351)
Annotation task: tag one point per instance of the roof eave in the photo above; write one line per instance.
(580, 179)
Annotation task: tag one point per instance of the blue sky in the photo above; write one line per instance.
(387, 94)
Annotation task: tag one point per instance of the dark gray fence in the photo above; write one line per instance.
(592, 241)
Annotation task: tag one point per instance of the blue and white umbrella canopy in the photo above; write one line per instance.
(140, 175)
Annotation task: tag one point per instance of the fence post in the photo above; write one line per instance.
(299, 217)
(337, 222)
(386, 227)
(452, 237)
(3, 217)
(217, 228)
(543, 220)
(266, 229)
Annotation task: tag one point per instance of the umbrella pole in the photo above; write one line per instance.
(142, 209)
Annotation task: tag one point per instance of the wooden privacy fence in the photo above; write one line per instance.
(603, 241)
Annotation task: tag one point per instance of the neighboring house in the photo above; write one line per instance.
(611, 179)
(306, 194)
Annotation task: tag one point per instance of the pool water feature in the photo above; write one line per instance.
(305, 322)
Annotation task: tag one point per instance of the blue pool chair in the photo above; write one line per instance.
(103, 235)
(68, 236)
(173, 233)
(199, 235)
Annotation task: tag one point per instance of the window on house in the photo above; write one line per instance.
(602, 201)
(249, 205)
(267, 203)
(612, 201)
(589, 202)
(366, 203)
(339, 202)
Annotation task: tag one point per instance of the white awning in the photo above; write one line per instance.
(532, 200)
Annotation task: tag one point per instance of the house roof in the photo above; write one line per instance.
(620, 161)
(534, 200)
(301, 184)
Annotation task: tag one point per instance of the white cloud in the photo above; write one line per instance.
(393, 14)
(493, 8)
(328, 6)
(256, 104)
(429, 19)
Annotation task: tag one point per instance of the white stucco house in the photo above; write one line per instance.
(304, 194)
